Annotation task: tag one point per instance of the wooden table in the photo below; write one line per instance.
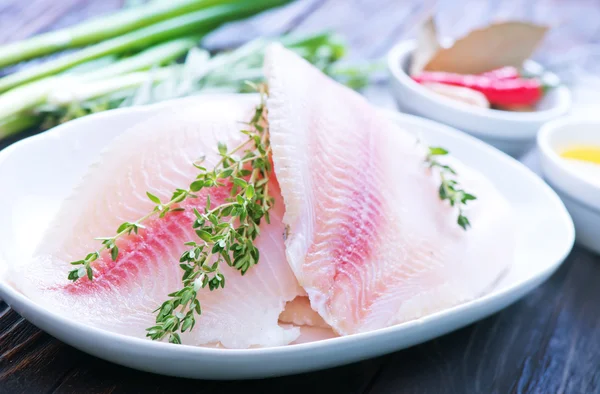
(549, 342)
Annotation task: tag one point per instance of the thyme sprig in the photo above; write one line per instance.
(226, 232)
(449, 188)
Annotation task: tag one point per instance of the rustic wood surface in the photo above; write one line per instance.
(549, 342)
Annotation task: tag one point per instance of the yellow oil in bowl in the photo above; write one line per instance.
(585, 160)
(590, 154)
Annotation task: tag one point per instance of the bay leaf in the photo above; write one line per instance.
(497, 45)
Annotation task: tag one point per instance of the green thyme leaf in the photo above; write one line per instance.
(222, 148)
(114, 253)
(153, 198)
(123, 227)
(463, 221)
(205, 236)
(196, 186)
(240, 182)
(437, 151)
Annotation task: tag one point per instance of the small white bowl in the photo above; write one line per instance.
(580, 195)
(512, 132)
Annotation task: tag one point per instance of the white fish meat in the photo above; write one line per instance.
(156, 156)
(299, 313)
(368, 237)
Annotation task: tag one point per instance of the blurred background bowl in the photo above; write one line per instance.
(512, 132)
(580, 195)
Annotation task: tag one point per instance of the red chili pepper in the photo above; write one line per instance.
(515, 91)
(508, 72)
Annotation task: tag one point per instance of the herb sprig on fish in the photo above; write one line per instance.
(226, 231)
(449, 188)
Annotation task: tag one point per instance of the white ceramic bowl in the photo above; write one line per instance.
(580, 196)
(512, 132)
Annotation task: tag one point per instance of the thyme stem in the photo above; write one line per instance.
(450, 189)
(222, 240)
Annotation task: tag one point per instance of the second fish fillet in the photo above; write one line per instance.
(367, 235)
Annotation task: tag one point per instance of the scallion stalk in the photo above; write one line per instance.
(27, 96)
(74, 94)
(84, 91)
(35, 93)
(158, 55)
(99, 29)
(198, 22)
(16, 124)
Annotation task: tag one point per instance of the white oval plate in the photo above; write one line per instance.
(37, 173)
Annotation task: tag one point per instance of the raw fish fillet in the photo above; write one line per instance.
(299, 313)
(367, 235)
(313, 334)
(156, 156)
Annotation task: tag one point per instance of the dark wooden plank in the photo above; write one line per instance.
(29, 358)
(102, 377)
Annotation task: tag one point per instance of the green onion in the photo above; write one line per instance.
(100, 29)
(198, 22)
(158, 55)
(80, 92)
(106, 83)
(26, 96)
(30, 95)
(92, 65)
(16, 124)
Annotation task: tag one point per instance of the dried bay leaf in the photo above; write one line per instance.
(497, 45)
